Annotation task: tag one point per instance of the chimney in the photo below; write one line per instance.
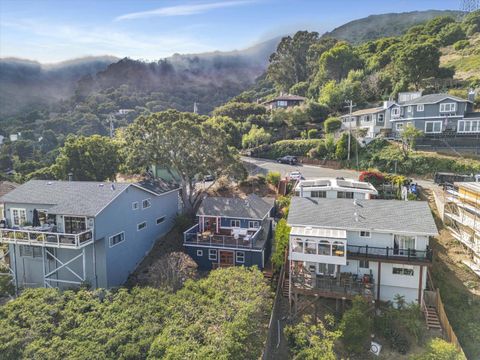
(471, 95)
(70, 176)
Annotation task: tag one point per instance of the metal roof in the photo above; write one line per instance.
(411, 217)
(252, 207)
(85, 198)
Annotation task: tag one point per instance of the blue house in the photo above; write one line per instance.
(231, 232)
(67, 233)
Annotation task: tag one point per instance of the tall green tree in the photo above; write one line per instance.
(289, 64)
(92, 158)
(184, 145)
(336, 63)
(417, 62)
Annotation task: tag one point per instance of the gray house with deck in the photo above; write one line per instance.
(231, 232)
(67, 233)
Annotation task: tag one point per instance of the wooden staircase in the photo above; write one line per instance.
(286, 286)
(431, 316)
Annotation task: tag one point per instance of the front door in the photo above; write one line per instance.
(226, 258)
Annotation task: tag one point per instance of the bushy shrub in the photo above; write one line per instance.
(273, 177)
(282, 232)
(286, 147)
(182, 222)
(356, 326)
(313, 134)
(373, 177)
(332, 124)
(439, 349)
(461, 44)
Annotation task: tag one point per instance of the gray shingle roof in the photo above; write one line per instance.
(373, 215)
(365, 111)
(432, 99)
(70, 197)
(253, 207)
(6, 187)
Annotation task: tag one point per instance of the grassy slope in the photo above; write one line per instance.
(466, 62)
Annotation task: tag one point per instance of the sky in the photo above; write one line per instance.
(55, 30)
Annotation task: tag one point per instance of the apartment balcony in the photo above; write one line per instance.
(346, 285)
(389, 254)
(32, 237)
(224, 238)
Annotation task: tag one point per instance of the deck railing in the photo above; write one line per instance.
(389, 253)
(44, 238)
(192, 236)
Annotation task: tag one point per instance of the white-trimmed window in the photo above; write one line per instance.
(395, 112)
(433, 127)
(448, 107)
(363, 264)
(409, 108)
(420, 107)
(160, 220)
(318, 194)
(380, 118)
(135, 205)
(344, 195)
(212, 254)
(404, 242)
(146, 203)
(468, 126)
(116, 239)
(282, 103)
(19, 217)
(240, 257)
(365, 234)
(253, 224)
(199, 252)
(399, 126)
(30, 251)
(235, 223)
(403, 270)
(141, 226)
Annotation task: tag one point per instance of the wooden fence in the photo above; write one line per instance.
(447, 328)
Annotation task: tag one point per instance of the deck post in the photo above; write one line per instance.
(379, 271)
(15, 268)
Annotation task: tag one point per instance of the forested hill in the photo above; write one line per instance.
(25, 83)
(385, 25)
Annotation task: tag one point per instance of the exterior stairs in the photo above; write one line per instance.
(286, 286)
(431, 316)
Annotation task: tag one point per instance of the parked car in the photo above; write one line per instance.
(208, 178)
(292, 160)
(295, 175)
(442, 178)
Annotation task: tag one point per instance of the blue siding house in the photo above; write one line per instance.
(231, 232)
(68, 233)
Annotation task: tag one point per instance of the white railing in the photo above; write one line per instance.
(43, 238)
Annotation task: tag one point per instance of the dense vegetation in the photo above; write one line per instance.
(222, 316)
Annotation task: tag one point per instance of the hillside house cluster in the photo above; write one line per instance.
(434, 114)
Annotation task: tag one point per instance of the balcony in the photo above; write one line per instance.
(224, 238)
(46, 238)
(347, 285)
(387, 253)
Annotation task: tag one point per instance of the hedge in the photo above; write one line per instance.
(285, 147)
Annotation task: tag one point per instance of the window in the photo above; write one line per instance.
(141, 226)
(199, 252)
(409, 108)
(447, 107)
(19, 217)
(146, 203)
(469, 126)
(363, 264)
(338, 249)
(380, 118)
(403, 271)
(318, 194)
(310, 247)
(324, 248)
(240, 257)
(297, 245)
(395, 112)
(365, 234)
(345, 195)
(135, 205)
(399, 126)
(160, 220)
(212, 254)
(402, 244)
(74, 224)
(235, 223)
(116, 239)
(30, 251)
(282, 103)
(433, 127)
(420, 107)
(253, 224)
(326, 269)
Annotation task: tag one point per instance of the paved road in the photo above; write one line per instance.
(263, 166)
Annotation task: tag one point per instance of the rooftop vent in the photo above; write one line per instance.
(49, 183)
(100, 185)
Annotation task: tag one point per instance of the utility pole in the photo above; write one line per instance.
(112, 129)
(350, 107)
(195, 108)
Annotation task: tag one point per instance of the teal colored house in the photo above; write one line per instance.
(231, 232)
(67, 233)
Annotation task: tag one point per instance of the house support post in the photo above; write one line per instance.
(379, 271)
(420, 282)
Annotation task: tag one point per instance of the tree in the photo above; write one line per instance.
(49, 141)
(230, 127)
(273, 177)
(332, 124)
(439, 349)
(336, 63)
(450, 34)
(289, 63)
(184, 145)
(417, 62)
(409, 136)
(356, 326)
(239, 111)
(255, 137)
(312, 341)
(93, 158)
(282, 234)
